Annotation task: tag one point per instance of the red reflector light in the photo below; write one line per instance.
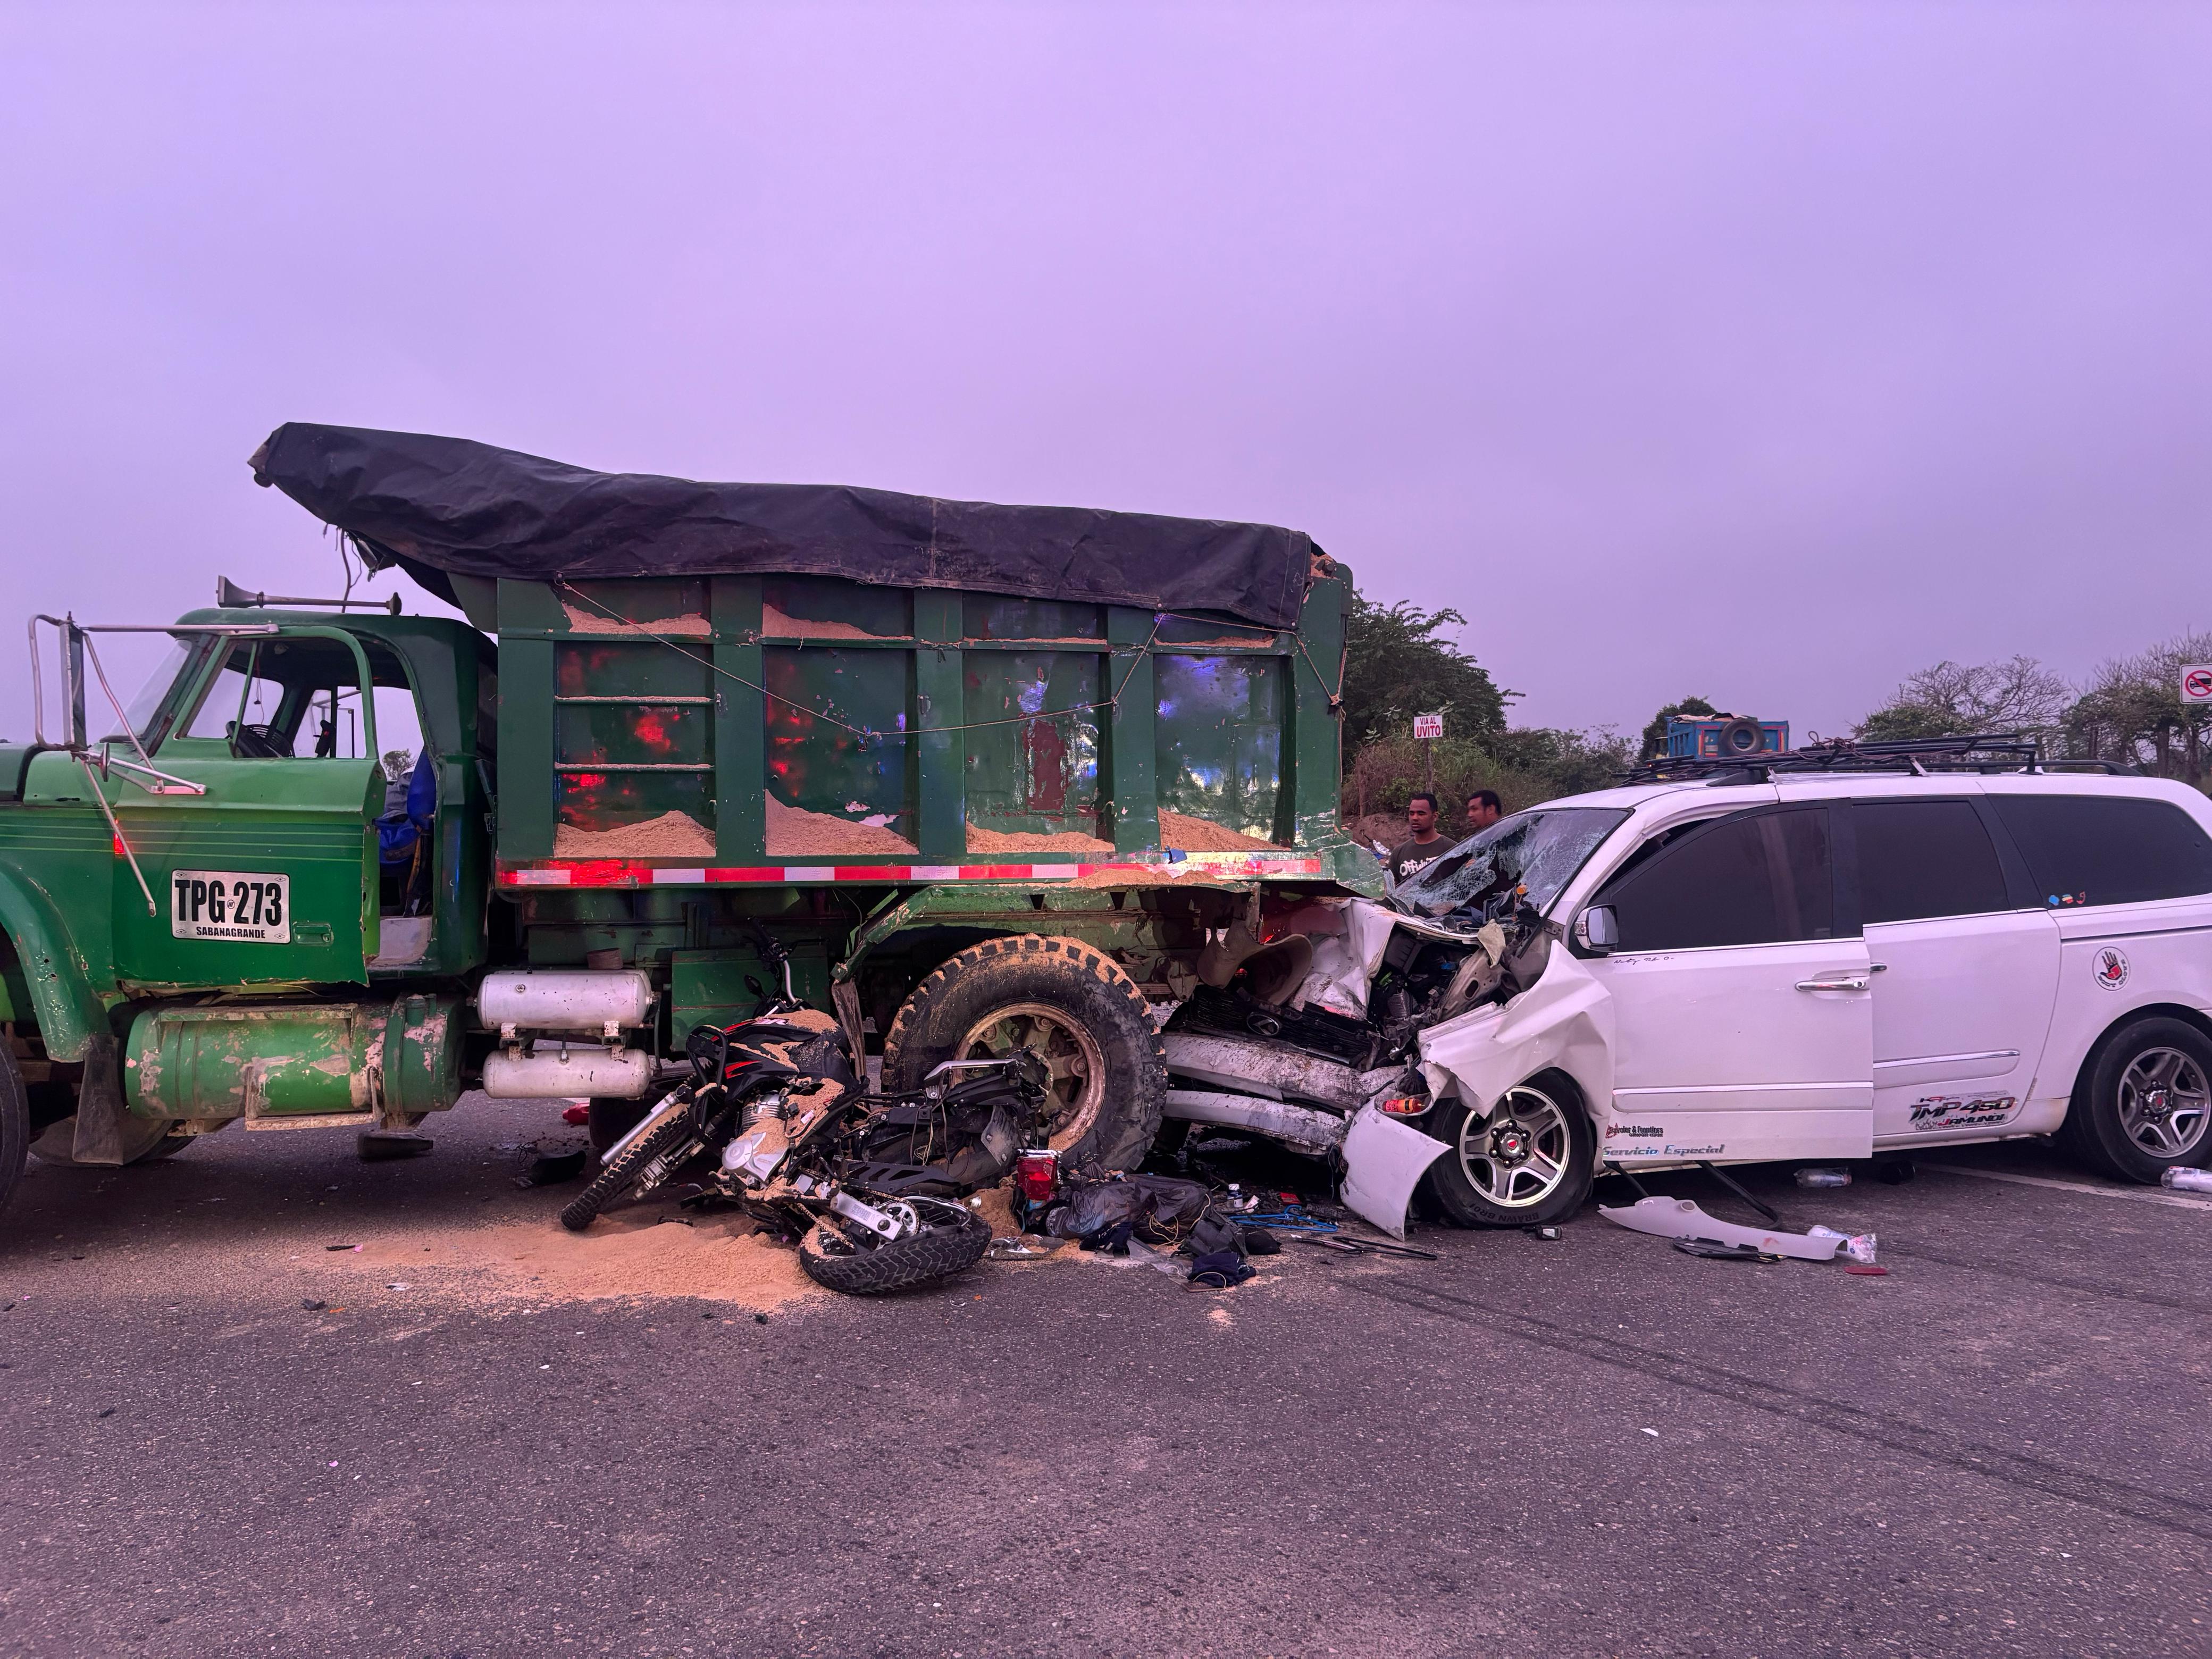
(1406, 1105)
(1036, 1175)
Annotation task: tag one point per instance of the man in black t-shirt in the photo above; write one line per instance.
(1427, 844)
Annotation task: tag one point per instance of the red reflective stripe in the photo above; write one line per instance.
(617, 872)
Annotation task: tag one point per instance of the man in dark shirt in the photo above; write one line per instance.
(1483, 810)
(1427, 844)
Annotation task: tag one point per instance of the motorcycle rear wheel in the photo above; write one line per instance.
(665, 1139)
(952, 1240)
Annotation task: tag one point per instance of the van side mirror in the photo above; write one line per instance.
(1597, 931)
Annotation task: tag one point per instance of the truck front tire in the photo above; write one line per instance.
(14, 1125)
(1067, 1003)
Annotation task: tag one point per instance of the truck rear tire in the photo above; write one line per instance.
(608, 1121)
(1067, 1003)
(15, 1125)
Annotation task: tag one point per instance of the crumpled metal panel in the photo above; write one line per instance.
(1564, 1023)
(1384, 1161)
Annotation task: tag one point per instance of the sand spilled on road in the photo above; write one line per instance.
(646, 1257)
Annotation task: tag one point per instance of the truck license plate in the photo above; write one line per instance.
(231, 904)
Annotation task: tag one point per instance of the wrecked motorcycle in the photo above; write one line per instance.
(869, 1186)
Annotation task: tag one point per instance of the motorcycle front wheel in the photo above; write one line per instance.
(643, 1164)
(949, 1239)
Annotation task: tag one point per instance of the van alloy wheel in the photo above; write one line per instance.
(2164, 1103)
(1071, 1054)
(1517, 1157)
(2140, 1104)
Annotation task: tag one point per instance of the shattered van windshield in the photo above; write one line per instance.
(1538, 850)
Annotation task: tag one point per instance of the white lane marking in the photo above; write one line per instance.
(2071, 1186)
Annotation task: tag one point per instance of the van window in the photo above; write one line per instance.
(2108, 849)
(1925, 858)
(1761, 878)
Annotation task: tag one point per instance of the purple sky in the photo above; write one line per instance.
(1767, 352)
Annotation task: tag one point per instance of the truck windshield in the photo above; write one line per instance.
(138, 713)
(1539, 850)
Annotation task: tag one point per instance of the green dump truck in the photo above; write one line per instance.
(991, 776)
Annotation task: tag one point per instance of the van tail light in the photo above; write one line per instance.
(1405, 1105)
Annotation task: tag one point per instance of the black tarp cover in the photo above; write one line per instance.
(448, 505)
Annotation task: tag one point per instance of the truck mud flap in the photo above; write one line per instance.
(101, 1130)
(1384, 1161)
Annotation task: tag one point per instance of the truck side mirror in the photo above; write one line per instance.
(1597, 931)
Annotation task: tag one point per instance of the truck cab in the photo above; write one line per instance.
(202, 888)
(287, 732)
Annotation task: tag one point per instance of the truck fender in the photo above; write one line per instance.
(72, 1023)
(1563, 1023)
(70, 1016)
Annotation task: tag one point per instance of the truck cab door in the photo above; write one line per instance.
(1743, 1026)
(270, 875)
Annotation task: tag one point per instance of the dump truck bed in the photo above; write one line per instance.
(809, 729)
(706, 682)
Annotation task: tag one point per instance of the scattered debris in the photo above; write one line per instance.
(383, 1146)
(1549, 1234)
(1711, 1251)
(1824, 1177)
(312, 1305)
(1343, 1244)
(1680, 1218)
(1025, 1246)
(341, 1247)
(1859, 1247)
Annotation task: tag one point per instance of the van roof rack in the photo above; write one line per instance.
(2005, 751)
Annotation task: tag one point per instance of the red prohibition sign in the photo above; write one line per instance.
(2199, 683)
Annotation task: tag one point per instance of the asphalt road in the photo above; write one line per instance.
(1596, 1446)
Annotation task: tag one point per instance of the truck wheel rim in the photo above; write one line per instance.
(2163, 1102)
(1517, 1156)
(1075, 1064)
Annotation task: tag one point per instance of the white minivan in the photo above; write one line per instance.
(1828, 963)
